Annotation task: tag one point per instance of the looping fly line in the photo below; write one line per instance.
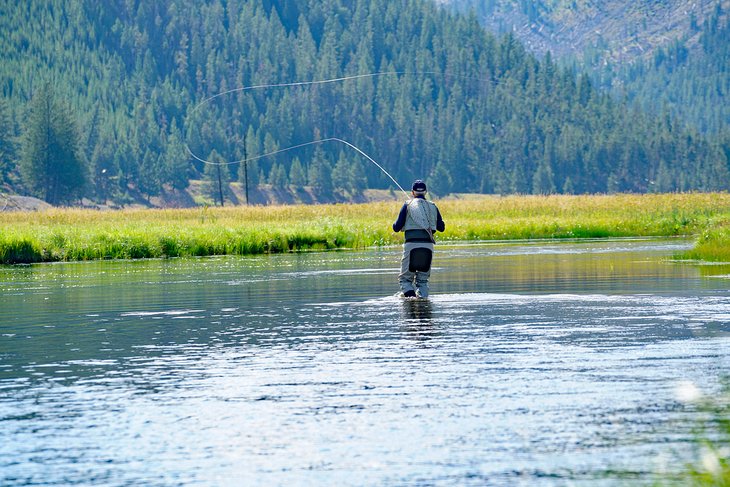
(319, 141)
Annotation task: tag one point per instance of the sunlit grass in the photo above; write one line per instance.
(710, 465)
(73, 234)
(713, 243)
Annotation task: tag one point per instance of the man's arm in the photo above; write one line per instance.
(401, 221)
(440, 225)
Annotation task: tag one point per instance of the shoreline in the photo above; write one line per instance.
(77, 235)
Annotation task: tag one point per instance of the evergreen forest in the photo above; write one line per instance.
(690, 77)
(107, 100)
(662, 55)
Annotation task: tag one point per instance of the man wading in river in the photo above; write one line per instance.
(418, 218)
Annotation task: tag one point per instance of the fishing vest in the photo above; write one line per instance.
(421, 215)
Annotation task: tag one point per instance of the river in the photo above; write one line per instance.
(537, 363)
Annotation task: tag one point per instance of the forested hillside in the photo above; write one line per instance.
(465, 110)
(689, 78)
(663, 55)
(616, 31)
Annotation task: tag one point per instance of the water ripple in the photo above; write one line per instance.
(526, 371)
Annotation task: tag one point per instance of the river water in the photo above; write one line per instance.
(531, 364)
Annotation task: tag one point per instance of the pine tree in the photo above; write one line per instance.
(125, 157)
(542, 180)
(103, 168)
(320, 174)
(440, 181)
(568, 187)
(358, 181)
(51, 165)
(341, 175)
(176, 160)
(297, 176)
(254, 174)
(248, 170)
(7, 145)
(663, 182)
(149, 182)
(277, 176)
(215, 181)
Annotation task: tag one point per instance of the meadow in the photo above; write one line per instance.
(79, 234)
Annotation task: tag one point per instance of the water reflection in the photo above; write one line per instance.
(417, 310)
(719, 271)
(417, 319)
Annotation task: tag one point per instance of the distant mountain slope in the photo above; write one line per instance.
(689, 78)
(662, 55)
(618, 30)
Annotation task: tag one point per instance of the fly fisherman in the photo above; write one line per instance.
(418, 218)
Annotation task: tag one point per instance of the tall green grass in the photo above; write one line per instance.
(710, 465)
(74, 234)
(713, 244)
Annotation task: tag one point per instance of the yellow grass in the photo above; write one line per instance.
(76, 234)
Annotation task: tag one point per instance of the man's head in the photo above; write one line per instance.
(419, 188)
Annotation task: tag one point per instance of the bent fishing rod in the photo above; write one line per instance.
(319, 141)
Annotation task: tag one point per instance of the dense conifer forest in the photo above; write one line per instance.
(662, 55)
(113, 86)
(690, 78)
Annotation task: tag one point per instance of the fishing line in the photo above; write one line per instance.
(320, 141)
(295, 83)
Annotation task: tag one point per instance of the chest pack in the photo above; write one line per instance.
(422, 215)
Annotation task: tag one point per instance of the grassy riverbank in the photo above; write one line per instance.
(713, 244)
(74, 234)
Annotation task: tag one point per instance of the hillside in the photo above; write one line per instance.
(468, 111)
(689, 78)
(616, 31)
(664, 56)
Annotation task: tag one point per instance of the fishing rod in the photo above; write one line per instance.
(319, 141)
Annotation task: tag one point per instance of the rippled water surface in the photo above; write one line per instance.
(531, 364)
